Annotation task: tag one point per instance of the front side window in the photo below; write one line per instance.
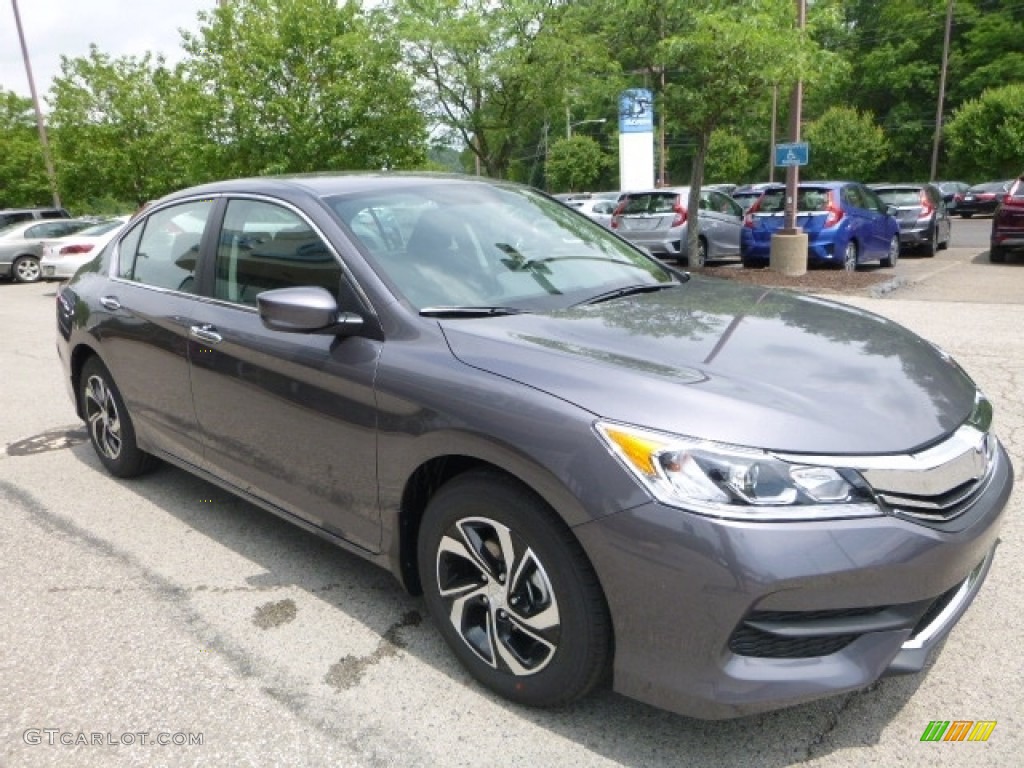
(164, 250)
(263, 246)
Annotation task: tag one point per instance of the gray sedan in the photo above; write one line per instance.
(21, 245)
(592, 466)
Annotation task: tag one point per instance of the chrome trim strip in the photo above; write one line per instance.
(952, 608)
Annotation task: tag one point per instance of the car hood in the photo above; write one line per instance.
(736, 364)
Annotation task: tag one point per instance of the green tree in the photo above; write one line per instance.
(113, 133)
(762, 47)
(728, 157)
(23, 180)
(497, 78)
(575, 164)
(279, 86)
(985, 137)
(845, 144)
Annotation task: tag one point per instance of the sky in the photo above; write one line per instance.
(66, 27)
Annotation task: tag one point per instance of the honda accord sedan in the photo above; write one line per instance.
(725, 499)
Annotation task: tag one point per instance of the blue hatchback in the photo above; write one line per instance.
(846, 224)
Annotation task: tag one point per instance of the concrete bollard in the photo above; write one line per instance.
(789, 254)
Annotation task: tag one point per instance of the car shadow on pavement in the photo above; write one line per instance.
(605, 724)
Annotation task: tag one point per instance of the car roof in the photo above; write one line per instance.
(329, 184)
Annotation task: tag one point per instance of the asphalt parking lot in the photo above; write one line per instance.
(163, 609)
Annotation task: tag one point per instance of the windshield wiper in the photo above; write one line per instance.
(629, 290)
(470, 311)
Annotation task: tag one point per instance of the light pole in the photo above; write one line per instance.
(569, 125)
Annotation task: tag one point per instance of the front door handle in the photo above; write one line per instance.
(110, 303)
(206, 333)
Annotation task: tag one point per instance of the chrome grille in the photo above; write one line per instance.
(935, 485)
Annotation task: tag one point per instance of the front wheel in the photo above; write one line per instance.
(111, 431)
(512, 592)
(893, 255)
(26, 270)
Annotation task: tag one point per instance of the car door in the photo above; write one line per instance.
(287, 417)
(145, 333)
(883, 225)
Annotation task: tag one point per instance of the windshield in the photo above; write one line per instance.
(468, 244)
(102, 228)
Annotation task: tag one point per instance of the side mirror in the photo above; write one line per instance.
(306, 309)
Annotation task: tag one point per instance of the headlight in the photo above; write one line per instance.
(736, 483)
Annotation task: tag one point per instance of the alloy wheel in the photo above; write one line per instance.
(26, 270)
(102, 418)
(850, 257)
(498, 596)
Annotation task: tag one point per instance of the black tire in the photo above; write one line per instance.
(966, 215)
(532, 624)
(894, 253)
(996, 254)
(25, 269)
(752, 264)
(932, 246)
(110, 428)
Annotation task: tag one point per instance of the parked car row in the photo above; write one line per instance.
(848, 223)
(38, 248)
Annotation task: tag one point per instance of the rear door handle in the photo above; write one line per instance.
(206, 333)
(110, 303)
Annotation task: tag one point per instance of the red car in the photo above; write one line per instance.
(1008, 223)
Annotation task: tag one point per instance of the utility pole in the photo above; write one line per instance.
(40, 123)
(795, 116)
(942, 91)
(788, 253)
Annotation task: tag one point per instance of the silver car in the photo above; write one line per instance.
(21, 245)
(657, 220)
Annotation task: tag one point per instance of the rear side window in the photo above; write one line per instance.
(265, 246)
(164, 250)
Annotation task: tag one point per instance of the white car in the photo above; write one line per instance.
(63, 256)
(598, 209)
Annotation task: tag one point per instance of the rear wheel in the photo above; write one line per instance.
(893, 254)
(702, 254)
(111, 431)
(997, 254)
(932, 245)
(26, 269)
(850, 257)
(966, 215)
(512, 592)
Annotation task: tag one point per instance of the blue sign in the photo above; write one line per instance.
(636, 111)
(791, 154)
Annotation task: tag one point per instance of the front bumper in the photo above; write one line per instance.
(840, 603)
